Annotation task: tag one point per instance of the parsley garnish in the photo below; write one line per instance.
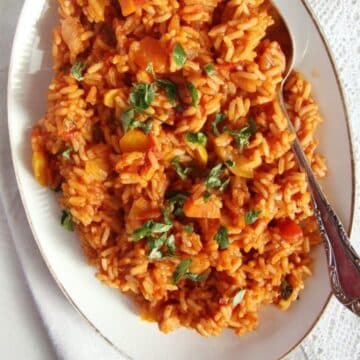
(242, 136)
(213, 180)
(189, 228)
(219, 117)
(182, 270)
(251, 216)
(149, 228)
(206, 196)
(197, 138)
(193, 93)
(156, 244)
(222, 238)
(77, 70)
(142, 95)
(66, 153)
(67, 220)
(180, 170)
(176, 200)
(179, 55)
(285, 289)
(129, 122)
(209, 69)
(230, 163)
(238, 297)
(170, 89)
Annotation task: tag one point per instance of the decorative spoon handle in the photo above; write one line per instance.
(343, 262)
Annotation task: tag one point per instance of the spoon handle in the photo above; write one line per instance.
(343, 262)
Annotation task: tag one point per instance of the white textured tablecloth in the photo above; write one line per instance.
(337, 334)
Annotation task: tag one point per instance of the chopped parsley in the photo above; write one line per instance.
(189, 228)
(67, 153)
(170, 89)
(175, 201)
(156, 244)
(209, 69)
(222, 238)
(239, 296)
(219, 117)
(251, 216)
(142, 95)
(285, 289)
(197, 138)
(129, 122)
(206, 196)
(182, 271)
(193, 93)
(179, 55)
(230, 163)
(150, 228)
(77, 70)
(67, 220)
(214, 180)
(183, 172)
(242, 136)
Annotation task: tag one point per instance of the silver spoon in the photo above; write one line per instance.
(343, 262)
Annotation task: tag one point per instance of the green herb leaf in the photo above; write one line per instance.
(209, 69)
(285, 289)
(142, 95)
(219, 117)
(179, 55)
(193, 93)
(129, 122)
(180, 170)
(197, 277)
(77, 70)
(222, 238)
(181, 270)
(166, 214)
(197, 138)
(213, 180)
(239, 296)
(189, 228)
(67, 153)
(176, 200)
(242, 136)
(149, 228)
(171, 245)
(155, 254)
(67, 220)
(206, 196)
(170, 89)
(230, 163)
(251, 216)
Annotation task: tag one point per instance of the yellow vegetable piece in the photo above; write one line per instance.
(41, 168)
(243, 167)
(97, 169)
(127, 7)
(134, 140)
(96, 9)
(109, 98)
(201, 154)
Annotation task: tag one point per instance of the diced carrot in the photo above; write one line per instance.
(41, 168)
(200, 208)
(135, 140)
(142, 209)
(97, 169)
(151, 51)
(290, 230)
